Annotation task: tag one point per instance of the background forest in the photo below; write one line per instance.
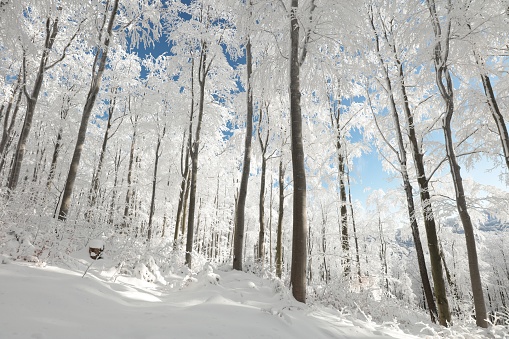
(241, 132)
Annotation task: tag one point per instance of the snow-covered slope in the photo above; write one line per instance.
(42, 301)
(51, 302)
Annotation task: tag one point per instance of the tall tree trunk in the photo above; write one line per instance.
(345, 244)
(129, 193)
(114, 193)
(281, 209)
(443, 312)
(204, 67)
(184, 167)
(354, 228)
(263, 142)
(8, 127)
(51, 33)
(447, 92)
(154, 182)
(300, 230)
(94, 187)
(100, 64)
(9, 123)
(495, 110)
(238, 245)
(184, 170)
(261, 213)
(58, 144)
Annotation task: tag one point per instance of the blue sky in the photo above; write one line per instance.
(367, 172)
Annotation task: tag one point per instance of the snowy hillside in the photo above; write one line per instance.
(42, 301)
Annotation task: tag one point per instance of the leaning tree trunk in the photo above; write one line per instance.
(238, 245)
(51, 33)
(94, 187)
(100, 63)
(261, 208)
(8, 127)
(203, 70)
(127, 207)
(58, 144)
(443, 312)
(354, 228)
(425, 197)
(154, 182)
(495, 111)
(184, 171)
(184, 167)
(117, 162)
(447, 92)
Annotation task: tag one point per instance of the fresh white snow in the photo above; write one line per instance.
(42, 301)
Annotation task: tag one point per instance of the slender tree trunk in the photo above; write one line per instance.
(94, 187)
(354, 228)
(204, 67)
(495, 110)
(270, 223)
(8, 127)
(154, 182)
(114, 193)
(345, 244)
(9, 123)
(238, 245)
(51, 33)
(184, 170)
(184, 167)
(100, 63)
(281, 209)
(263, 142)
(443, 310)
(446, 91)
(261, 213)
(128, 195)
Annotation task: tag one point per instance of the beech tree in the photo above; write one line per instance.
(300, 231)
(52, 28)
(238, 245)
(104, 39)
(445, 86)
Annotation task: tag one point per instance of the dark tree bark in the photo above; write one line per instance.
(495, 110)
(281, 210)
(100, 65)
(94, 187)
(300, 229)
(447, 92)
(129, 193)
(8, 125)
(51, 34)
(345, 243)
(184, 167)
(52, 30)
(154, 182)
(114, 193)
(203, 70)
(64, 111)
(263, 142)
(443, 312)
(238, 245)
(354, 228)
(184, 170)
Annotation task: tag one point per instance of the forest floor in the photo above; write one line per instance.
(43, 301)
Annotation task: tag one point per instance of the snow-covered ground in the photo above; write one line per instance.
(42, 301)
